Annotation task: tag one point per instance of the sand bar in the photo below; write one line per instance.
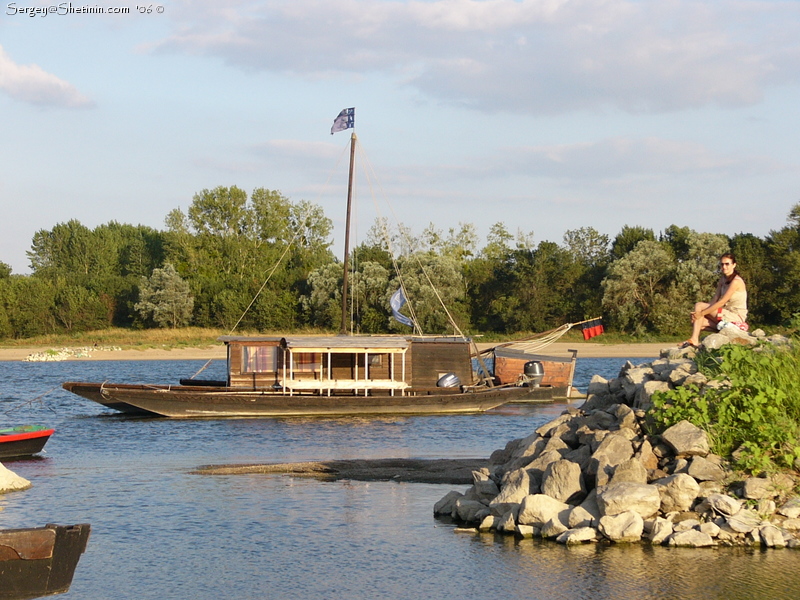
(217, 351)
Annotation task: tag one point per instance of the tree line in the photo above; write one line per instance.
(263, 262)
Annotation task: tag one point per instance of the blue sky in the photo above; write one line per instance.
(546, 115)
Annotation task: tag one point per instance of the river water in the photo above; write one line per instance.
(159, 531)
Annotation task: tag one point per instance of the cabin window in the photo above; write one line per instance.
(306, 362)
(260, 359)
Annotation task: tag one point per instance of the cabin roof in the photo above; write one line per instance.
(243, 339)
(346, 343)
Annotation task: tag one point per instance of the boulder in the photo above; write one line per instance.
(506, 523)
(612, 451)
(678, 492)
(686, 439)
(447, 505)
(647, 456)
(756, 488)
(489, 523)
(703, 469)
(623, 527)
(553, 528)
(468, 510)
(563, 481)
(631, 470)
(744, 521)
(660, 531)
(771, 536)
(514, 487)
(621, 497)
(484, 488)
(578, 535)
(710, 528)
(587, 514)
(690, 539)
(538, 509)
(11, 482)
(525, 531)
(645, 392)
(724, 505)
(791, 509)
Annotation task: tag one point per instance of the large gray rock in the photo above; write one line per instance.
(691, 538)
(554, 527)
(724, 505)
(612, 451)
(703, 469)
(515, 486)
(791, 508)
(468, 510)
(631, 470)
(447, 505)
(660, 531)
(538, 509)
(644, 393)
(686, 439)
(506, 523)
(678, 492)
(484, 488)
(744, 521)
(640, 498)
(578, 535)
(757, 488)
(624, 527)
(587, 514)
(771, 536)
(563, 481)
(11, 482)
(647, 456)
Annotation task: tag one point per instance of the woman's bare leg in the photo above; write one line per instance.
(699, 325)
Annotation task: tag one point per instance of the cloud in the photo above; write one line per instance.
(32, 84)
(521, 56)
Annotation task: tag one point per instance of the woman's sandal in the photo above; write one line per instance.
(687, 344)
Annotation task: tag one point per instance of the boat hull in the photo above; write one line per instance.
(22, 442)
(40, 561)
(216, 402)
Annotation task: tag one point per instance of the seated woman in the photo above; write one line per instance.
(728, 305)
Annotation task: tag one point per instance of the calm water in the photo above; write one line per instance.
(159, 531)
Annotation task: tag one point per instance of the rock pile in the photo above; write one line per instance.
(593, 474)
(54, 355)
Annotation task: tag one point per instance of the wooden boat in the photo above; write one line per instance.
(40, 561)
(324, 376)
(333, 376)
(23, 441)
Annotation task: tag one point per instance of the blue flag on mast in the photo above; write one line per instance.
(397, 302)
(345, 120)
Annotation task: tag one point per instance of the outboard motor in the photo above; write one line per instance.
(449, 380)
(533, 373)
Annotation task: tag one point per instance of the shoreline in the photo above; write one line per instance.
(217, 352)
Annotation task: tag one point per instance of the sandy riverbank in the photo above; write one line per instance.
(217, 351)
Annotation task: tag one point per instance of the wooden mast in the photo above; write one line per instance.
(343, 328)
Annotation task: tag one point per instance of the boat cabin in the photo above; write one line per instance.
(345, 364)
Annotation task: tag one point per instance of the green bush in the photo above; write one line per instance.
(754, 418)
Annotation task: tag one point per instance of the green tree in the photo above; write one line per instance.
(165, 298)
(783, 252)
(627, 239)
(639, 291)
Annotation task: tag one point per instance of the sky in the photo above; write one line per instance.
(545, 115)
